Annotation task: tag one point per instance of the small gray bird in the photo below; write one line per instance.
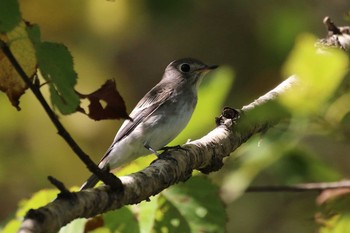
(159, 116)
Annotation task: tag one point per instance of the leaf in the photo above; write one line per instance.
(109, 96)
(56, 66)
(320, 75)
(122, 220)
(9, 15)
(11, 226)
(91, 224)
(147, 214)
(37, 200)
(75, 226)
(169, 219)
(23, 50)
(198, 203)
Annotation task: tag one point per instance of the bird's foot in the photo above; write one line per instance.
(177, 147)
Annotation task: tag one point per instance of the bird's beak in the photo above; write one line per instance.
(207, 68)
(212, 67)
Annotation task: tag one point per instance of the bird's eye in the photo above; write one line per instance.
(185, 67)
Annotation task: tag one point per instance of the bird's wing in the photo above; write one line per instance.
(147, 105)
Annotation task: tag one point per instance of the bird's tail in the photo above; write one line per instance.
(90, 183)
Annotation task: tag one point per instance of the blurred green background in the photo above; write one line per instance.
(132, 42)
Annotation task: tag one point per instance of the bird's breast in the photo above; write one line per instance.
(168, 121)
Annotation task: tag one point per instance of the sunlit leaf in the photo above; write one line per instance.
(76, 226)
(320, 75)
(11, 226)
(147, 214)
(22, 49)
(38, 199)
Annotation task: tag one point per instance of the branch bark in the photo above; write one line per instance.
(205, 154)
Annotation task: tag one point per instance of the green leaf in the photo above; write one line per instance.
(320, 75)
(338, 110)
(169, 219)
(11, 226)
(75, 226)
(56, 65)
(122, 220)
(147, 214)
(38, 199)
(198, 203)
(269, 151)
(9, 15)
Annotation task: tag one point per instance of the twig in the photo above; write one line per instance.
(59, 185)
(301, 187)
(106, 177)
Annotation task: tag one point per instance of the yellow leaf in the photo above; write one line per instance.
(22, 48)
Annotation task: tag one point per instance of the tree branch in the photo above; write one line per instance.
(205, 154)
(301, 187)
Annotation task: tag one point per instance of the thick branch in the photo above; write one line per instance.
(204, 154)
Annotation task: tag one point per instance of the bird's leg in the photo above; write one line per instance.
(159, 156)
(151, 149)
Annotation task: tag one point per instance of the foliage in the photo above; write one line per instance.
(317, 110)
(54, 63)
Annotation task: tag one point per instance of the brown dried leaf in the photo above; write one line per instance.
(105, 103)
(22, 48)
(94, 223)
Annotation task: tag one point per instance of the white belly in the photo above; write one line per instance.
(157, 131)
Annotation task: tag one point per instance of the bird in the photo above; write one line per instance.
(158, 117)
